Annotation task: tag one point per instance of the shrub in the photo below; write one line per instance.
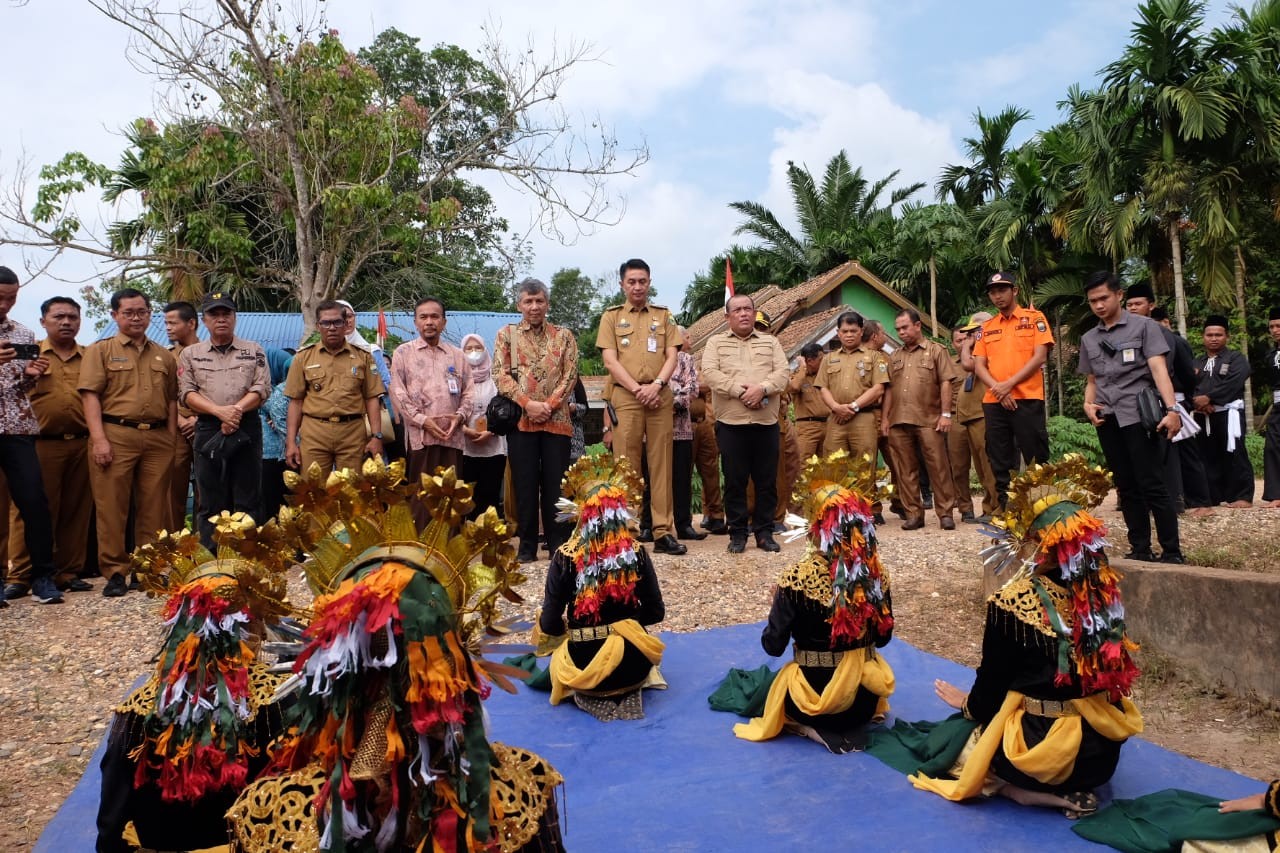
(1255, 443)
(1067, 435)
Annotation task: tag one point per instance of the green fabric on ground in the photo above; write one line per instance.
(926, 747)
(539, 676)
(743, 691)
(1162, 821)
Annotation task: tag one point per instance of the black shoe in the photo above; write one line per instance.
(646, 535)
(967, 517)
(764, 541)
(985, 518)
(45, 591)
(926, 501)
(523, 555)
(879, 519)
(78, 585)
(134, 583)
(899, 511)
(115, 588)
(736, 545)
(15, 591)
(1141, 556)
(667, 544)
(1175, 558)
(947, 523)
(913, 523)
(716, 527)
(688, 532)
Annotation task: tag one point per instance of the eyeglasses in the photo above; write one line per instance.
(331, 324)
(137, 314)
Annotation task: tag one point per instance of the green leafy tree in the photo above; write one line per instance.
(573, 299)
(751, 271)
(990, 161)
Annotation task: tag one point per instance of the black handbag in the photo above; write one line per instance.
(503, 414)
(1150, 409)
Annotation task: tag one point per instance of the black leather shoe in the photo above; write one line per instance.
(78, 585)
(134, 583)
(913, 523)
(879, 519)
(765, 542)
(1174, 558)
(667, 544)
(967, 517)
(527, 555)
(116, 587)
(947, 523)
(15, 591)
(689, 533)
(736, 545)
(1141, 556)
(716, 527)
(646, 535)
(926, 501)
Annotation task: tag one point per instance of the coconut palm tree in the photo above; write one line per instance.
(927, 237)
(990, 161)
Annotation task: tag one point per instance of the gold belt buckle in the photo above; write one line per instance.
(68, 436)
(144, 427)
(334, 419)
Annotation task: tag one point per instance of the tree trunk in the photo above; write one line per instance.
(933, 292)
(1244, 339)
(1179, 289)
(1058, 355)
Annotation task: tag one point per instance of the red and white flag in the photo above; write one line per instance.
(728, 281)
(382, 330)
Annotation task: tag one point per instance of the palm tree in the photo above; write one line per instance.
(925, 236)
(840, 220)
(990, 161)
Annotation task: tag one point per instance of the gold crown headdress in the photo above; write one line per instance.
(593, 472)
(822, 474)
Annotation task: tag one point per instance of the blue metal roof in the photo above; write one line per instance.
(284, 331)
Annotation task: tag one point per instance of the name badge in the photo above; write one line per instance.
(453, 385)
(652, 344)
(1128, 355)
(1222, 371)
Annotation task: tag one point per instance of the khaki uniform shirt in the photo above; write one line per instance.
(136, 383)
(55, 398)
(730, 362)
(805, 395)
(915, 373)
(177, 349)
(224, 377)
(333, 384)
(848, 374)
(967, 391)
(640, 336)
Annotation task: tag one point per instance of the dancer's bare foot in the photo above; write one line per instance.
(1240, 504)
(1201, 511)
(1274, 504)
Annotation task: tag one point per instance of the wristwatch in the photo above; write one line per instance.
(378, 436)
(947, 415)
(660, 382)
(856, 407)
(1169, 410)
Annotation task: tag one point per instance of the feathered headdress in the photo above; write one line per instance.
(390, 681)
(842, 543)
(1048, 511)
(598, 491)
(198, 708)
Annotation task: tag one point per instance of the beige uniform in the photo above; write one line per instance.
(641, 337)
(848, 374)
(968, 441)
(137, 387)
(706, 457)
(63, 450)
(182, 459)
(811, 412)
(917, 373)
(333, 388)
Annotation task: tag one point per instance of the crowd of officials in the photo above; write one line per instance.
(99, 444)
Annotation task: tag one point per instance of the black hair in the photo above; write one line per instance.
(850, 318)
(186, 311)
(1159, 313)
(58, 300)
(331, 305)
(811, 350)
(910, 313)
(430, 300)
(130, 293)
(8, 276)
(633, 264)
(1102, 278)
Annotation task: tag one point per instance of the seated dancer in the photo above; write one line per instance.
(184, 744)
(607, 583)
(387, 748)
(1051, 693)
(835, 604)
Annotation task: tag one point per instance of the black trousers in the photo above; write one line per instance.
(21, 468)
(538, 462)
(486, 474)
(1195, 482)
(1021, 433)
(1172, 473)
(749, 453)
(273, 491)
(682, 483)
(1271, 458)
(1229, 473)
(233, 484)
(1136, 460)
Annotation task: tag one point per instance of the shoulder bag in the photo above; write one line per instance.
(503, 413)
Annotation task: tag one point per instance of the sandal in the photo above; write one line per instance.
(1083, 803)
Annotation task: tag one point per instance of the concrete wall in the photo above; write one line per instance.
(1221, 623)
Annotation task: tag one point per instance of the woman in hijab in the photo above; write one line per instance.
(274, 413)
(484, 455)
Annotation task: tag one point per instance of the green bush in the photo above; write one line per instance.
(1067, 435)
(1255, 443)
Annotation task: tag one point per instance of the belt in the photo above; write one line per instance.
(63, 436)
(595, 632)
(336, 419)
(823, 418)
(830, 660)
(1048, 707)
(125, 422)
(1275, 396)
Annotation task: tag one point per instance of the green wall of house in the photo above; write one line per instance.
(868, 302)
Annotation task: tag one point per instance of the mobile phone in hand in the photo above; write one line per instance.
(24, 352)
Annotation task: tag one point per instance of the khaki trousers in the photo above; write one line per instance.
(858, 436)
(903, 439)
(810, 438)
(706, 458)
(640, 432)
(333, 445)
(180, 482)
(141, 464)
(968, 442)
(64, 468)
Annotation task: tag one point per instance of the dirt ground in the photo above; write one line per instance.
(63, 668)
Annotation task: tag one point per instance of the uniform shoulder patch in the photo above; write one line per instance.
(1041, 327)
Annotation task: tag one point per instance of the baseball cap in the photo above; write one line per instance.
(975, 321)
(1000, 279)
(219, 299)
(763, 320)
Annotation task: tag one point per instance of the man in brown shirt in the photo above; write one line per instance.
(180, 323)
(63, 450)
(811, 410)
(968, 437)
(129, 386)
(639, 343)
(747, 373)
(706, 457)
(224, 380)
(332, 387)
(920, 418)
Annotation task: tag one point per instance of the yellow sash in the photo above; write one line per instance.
(1052, 760)
(566, 677)
(854, 670)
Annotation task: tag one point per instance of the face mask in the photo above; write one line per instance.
(475, 357)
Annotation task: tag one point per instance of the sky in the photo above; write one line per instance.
(723, 93)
